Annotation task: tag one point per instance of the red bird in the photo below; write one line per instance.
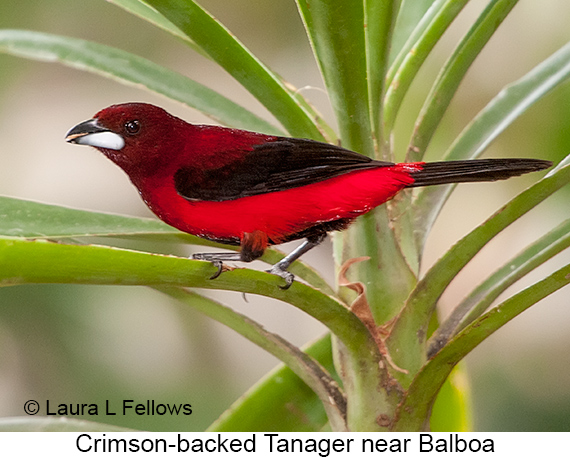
(253, 190)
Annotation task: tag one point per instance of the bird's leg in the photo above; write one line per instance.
(280, 268)
(252, 247)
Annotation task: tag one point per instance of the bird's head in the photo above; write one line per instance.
(133, 135)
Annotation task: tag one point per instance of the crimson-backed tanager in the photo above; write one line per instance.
(254, 190)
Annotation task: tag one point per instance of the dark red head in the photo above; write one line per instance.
(133, 135)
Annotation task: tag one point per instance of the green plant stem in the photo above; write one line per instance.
(341, 52)
(386, 274)
(32, 261)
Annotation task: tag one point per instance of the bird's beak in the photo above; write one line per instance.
(93, 134)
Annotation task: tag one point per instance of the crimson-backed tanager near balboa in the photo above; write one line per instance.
(254, 190)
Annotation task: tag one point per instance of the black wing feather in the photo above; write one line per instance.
(270, 167)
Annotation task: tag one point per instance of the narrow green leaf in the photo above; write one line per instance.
(406, 66)
(380, 18)
(434, 109)
(453, 73)
(336, 31)
(483, 295)
(415, 408)
(145, 12)
(409, 332)
(310, 371)
(238, 61)
(410, 15)
(130, 69)
(281, 401)
(28, 219)
(413, 31)
(501, 112)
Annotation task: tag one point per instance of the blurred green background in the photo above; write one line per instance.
(74, 344)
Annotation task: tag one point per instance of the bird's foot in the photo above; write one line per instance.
(289, 278)
(216, 259)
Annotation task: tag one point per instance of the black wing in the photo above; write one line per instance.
(278, 165)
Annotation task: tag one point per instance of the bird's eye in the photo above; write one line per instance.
(132, 127)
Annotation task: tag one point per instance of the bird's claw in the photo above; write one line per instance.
(286, 275)
(220, 266)
(217, 263)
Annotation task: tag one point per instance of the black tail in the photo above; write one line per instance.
(475, 170)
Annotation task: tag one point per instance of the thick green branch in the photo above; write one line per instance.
(41, 261)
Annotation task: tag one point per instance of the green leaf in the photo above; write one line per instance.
(32, 262)
(434, 109)
(130, 69)
(281, 401)
(409, 16)
(310, 371)
(145, 12)
(483, 295)
(24, 261)
(501, 112)
(415, 316)
(28, 219)
(342, 61)
(238, 61)
(380, 18)
(422, 391)
(412, 56)
(453, 73)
